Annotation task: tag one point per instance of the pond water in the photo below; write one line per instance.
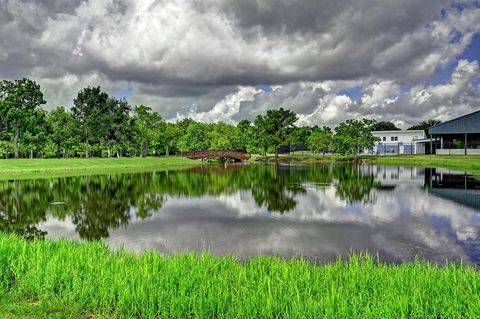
(317, 211)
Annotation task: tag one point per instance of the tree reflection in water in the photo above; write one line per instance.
(99, 203)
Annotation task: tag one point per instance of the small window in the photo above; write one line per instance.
(384, 138)
(392, 138)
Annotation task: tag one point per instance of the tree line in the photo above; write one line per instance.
(99, 125)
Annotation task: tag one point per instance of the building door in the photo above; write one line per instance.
(401, 149)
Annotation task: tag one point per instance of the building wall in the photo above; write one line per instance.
(398, 142)
(401, 136)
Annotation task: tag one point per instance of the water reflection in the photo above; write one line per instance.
(317, 211)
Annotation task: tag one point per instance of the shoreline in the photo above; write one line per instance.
(37, 168)
(469, 164)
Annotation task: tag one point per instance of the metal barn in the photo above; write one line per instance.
(460, 136)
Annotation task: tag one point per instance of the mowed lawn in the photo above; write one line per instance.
(11, 166)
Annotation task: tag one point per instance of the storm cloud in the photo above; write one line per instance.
(226, 60)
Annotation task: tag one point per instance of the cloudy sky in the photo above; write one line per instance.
(231, 59)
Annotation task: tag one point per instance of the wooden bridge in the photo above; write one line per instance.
(235, 155)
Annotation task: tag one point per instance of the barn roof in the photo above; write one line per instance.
(469, 123)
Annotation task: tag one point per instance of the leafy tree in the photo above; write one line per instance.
(148, 125)
(354, 136)
(243, 135)
(35, 135)
(321, 140)
(184, 123)
(278, 125)
(262, 138)
(425, 125)
(6, 148)
(19, 102)
(91, 111)
(222, 137)
(64, 132)
(384, 126)
(120, 128)
(298, 137)
(196, 137)
(172, 135)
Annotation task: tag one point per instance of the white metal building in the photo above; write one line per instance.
(399, 142)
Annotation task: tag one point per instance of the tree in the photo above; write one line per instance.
(321, 140)
(172, 135)
(64, 131)
(6, 148)
(354, 136)
(148, 125)
(91, 111)
(278, 124)
(222, 136)
(19, 102)
(262, 140)
(298, 138)
(120, 129)
(425, 125)
(196, 138)
(384, 126)
(243, 135)
(35, 135)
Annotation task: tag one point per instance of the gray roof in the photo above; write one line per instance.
(469, 123)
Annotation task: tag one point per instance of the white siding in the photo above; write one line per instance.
(398, 142)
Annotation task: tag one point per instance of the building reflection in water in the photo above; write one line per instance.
(455, 186)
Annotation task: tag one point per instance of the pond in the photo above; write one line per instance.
(319, 212)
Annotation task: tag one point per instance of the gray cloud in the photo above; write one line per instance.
(206, 58)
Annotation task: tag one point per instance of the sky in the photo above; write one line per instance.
(225, 60)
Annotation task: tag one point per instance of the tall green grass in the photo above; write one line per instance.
(69, 279)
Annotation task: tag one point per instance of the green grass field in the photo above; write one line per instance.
(44, 167)
(47, 279)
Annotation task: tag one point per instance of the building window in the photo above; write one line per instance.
(384, 138)
(394, 138)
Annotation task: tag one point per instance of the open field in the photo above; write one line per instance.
(45, 167)
(67, 279)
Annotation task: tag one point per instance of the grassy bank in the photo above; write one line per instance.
(32, 167)
(304, 158)
(66, 279)
(469, 164)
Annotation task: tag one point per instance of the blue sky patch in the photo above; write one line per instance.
(354, 93)
(443, 74)
(126, 93)
(265, 88)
